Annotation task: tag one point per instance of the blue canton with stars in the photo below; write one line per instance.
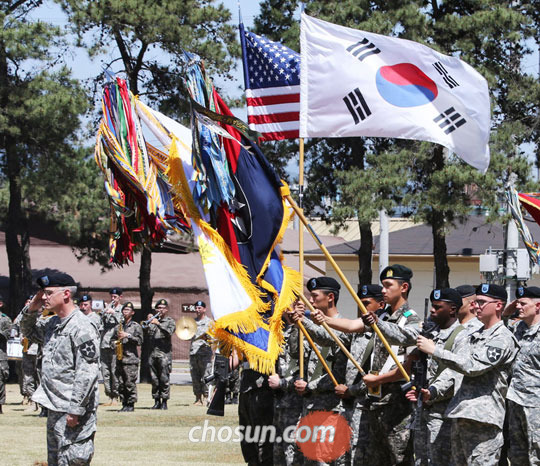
(270, 64)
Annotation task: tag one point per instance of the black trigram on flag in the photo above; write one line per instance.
(450, 120)
(444, 73)
(357, 105)
(363, 49)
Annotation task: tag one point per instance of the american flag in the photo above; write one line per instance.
(272, 81)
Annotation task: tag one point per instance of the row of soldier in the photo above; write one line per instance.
(483, 369)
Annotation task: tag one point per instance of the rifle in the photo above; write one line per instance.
(419, 371)
(220, 375)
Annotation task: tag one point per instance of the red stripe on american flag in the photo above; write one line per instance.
(280, 135)
(274, 118)
(272, 100)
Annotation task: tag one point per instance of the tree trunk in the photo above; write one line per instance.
(17, 236)
(442, 271)
(147, 294)
(365, 274)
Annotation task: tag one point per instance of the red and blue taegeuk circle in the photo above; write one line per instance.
(405, 85)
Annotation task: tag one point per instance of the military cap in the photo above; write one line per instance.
(493, 291)
(371, 291)
(397, 272)
(162, 302)
(200, 303)
(450, 295)
(323, 283)
(129, 304)
(465, 290)
(117, 291)
(528, 292)
(85, 298)
(55, 279)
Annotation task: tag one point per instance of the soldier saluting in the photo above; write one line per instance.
(70, 367)
(159, 332)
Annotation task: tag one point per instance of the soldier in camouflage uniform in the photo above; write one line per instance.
(477, 409)
(85, 305)
(127, 368)
(288, 405)
(432, 430)
(523, 396)
(69, 383)
(159, 333)
(5, 330)
(319, 393)
(111, 316)
(200, 354)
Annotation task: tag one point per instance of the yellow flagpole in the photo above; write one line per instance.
(341, 275)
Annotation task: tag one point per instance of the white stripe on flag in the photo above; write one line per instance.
(272, 91)
(268, 109)
(276, 127)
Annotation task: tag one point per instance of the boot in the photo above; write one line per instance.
(235, 400)
(198, 401)
(164, 404)
(124, 408)
(1, 412)
(44, 412)
(130, 408)
(157, 404)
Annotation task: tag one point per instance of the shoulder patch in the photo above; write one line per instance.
(88, 350)
(493, 353)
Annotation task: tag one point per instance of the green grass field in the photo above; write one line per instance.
(145, 437)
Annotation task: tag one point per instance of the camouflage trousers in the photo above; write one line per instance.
(127, 381)
(358, 420)
(524, 434)
(108, 371)
(200, 365)
(390, 441)
(4, 375)
(72, 446)
(160, 373)
(29, 375)
(286, 453)
(432, 437)
(256, 410)
(475, 443)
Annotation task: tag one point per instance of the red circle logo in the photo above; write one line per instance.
(323, 436)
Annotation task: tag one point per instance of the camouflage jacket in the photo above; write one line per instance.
(70, 362)
(322, 395)
(130, 343)
(525, 384)
(198, 341)
(5, 330)
(159, 336)
(96, 321)
(405, 318)
(110, 321)
(485, 364)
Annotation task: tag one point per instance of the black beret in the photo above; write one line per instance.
(117, 291)
(323, 283)
(398, 272)
(128, 304)
(162, 302)
(466, 290)
(85, 298)
(55, 279)
(371, 291)
(200, 303)
(493, 291)
(447, 294)
(528, 292)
